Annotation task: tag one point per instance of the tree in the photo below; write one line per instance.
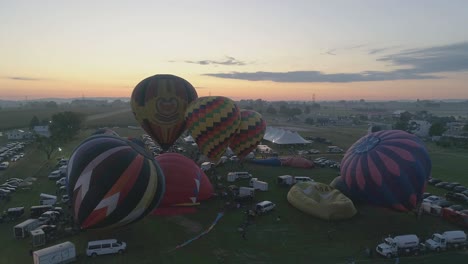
(34, 122)
(48, 145)
(437, 129)
(65, 125)
(403, 122)
(310, 121)
(271, 110)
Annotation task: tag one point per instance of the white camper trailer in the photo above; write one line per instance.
(60, 253)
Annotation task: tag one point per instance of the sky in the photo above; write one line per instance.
(243, 49)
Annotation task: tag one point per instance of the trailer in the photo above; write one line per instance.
(23, 229)
(57, 254)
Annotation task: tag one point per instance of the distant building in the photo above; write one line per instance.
(17, 134)
(42, 131)
(422, 128)
(397, 113)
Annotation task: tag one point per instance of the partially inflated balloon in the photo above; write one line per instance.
(112, 182)
(212, 121)
(186, 183)
(106, 131)
(249, 134)
(159, 103)
(387, 168)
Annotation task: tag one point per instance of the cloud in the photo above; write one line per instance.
(420, 64)
(228, 61)
(448, 58)
(316, 76)
(380, 50)
(23, 78)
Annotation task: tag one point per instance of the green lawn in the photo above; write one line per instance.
(296, 238)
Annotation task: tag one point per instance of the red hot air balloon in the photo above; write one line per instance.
(212, 121)
(159, 103)
(186, 183)
(387, 168)
(249, 134)
(112, 182)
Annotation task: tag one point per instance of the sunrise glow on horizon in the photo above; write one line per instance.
(270, 50)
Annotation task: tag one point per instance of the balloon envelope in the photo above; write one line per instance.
(212, 121)
(112, 182)
(387, 168)
(249, 134)
(106, 131)
(159, 103)
(186, 183)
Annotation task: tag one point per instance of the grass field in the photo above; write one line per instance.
(296, 238)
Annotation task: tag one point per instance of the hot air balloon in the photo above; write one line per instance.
(212, 121)
(249, 134)
(186, 184)
(112, 182)
(387, 168)
(159, 103)
(106, 131)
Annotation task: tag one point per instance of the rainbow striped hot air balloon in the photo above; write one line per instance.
(112, 182)
(387, 168)
(159, 103)
(212, 121)
(249, 134)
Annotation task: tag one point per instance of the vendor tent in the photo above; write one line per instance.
(283, 136)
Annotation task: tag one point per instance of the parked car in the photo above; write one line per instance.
(102, 247)
(465, 192)
(433, 181)
(444, 203)
(62, 181)
(456, 207)
(433, 199)
(54, 175)
(65, 198)
(460, 197)
(451, 185)
(441, 184)
(15, 158)
(4, 165)
(459, 188)
(426, 194)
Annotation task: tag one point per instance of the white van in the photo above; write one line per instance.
(60, 253)
(102, 247)
(264, 207)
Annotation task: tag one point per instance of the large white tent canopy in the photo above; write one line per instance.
(283, 136)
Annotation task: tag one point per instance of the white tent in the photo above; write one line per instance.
(283, 137)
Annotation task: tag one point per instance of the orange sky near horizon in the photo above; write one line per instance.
(239, 89)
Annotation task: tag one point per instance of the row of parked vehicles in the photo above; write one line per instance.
(11, 152)
(411, 244)
(10, 186)
(450, 186)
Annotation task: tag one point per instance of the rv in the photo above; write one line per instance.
(60, 253)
